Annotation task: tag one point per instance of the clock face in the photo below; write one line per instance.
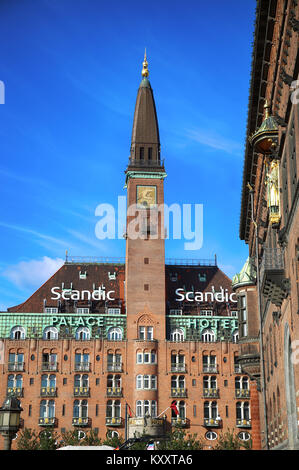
(146, 196)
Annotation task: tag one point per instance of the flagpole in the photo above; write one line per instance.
(163, 412)
(126, 422)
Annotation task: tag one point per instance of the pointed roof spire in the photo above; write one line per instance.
(145, 72)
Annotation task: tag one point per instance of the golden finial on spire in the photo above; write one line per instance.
(267, 108)
(145, 72)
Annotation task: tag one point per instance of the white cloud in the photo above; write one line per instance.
(33, 273)
(215, 141)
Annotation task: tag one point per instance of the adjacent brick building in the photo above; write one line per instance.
(116, 360)
(267, 287)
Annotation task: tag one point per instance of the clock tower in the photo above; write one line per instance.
(145, 257)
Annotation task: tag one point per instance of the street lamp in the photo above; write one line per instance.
(10, 419)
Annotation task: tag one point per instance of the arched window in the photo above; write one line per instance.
(17, 332)
(47, 409)
(50, 332)
(243, 410)
(80, 409)
(82, 333)
(208, 335)
(113, 409)
(177, 335)
(14, 381)
(146, 408)
(210, 410)
(114, 334)
(81, 380)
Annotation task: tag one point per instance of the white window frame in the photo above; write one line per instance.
(82, 310)
(51, 310)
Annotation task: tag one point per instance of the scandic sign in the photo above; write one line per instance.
(101, 294)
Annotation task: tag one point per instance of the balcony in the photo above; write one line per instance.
(274, 285)
(179, 392)
(114, 367)
(212, 422)
(47, 421)
(113, 421)
(178, 368)
(81, 391)
(211, 392)
(49, 366)
(16, 366)
(15, 391)
(146, 163)
(210, 369)
(178, 421)
(239, 393)
(114, 392)
(48, 392)
(238, 369)
(243, 423)
(82, 366)
(81, 421)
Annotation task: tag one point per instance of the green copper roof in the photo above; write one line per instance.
(247, 275)
(145, 83)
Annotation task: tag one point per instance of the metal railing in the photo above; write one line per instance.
(49, 366)
(212, 422)
(178, 367)
(272, 260)
(114, 392)
(211, 392)
(115, 421)
(243, 423)
(242, 393)
(81, 391)
(82, 366)
(112, 367)
(179, 392)
(153, 163)
(210, 369)
(48, 392)
(47, 421)
(93, 260)
(16, 366)
(15, 391)
(190, 262)
(80, 421)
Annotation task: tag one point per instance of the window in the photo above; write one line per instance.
(50, 332)
(114, 334)
(208, 335)
(244, 436)
(146, 286)
(150, 153)
(82, 333)
(206, 313)
(146, 357)
(82, 310)
(209, 363)
(51, 310)
(114, 362)
(210, 410)
(235, 336)
(113, 409)
(146, 333)
(234, 313)
(14, 381)
(113, 311)
(82, 361)
(211, 436)
(175, 311)
(146, 260)
(141, 153)
(243, 316)
(47, 409)
(243, 410)
(17, 332)
(146, 382)
(113, 381)
(48, 381)
(181, 406)
(81, 380)
(146, 408)
(49, 361)
(177, 335)
(80, 409)
(178, 382)
(16, 361)
(209, 381)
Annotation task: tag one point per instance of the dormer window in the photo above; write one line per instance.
(82, 275)
(51, 310)
(202, 277)
(112, 276)
(173, 277)
(82, 310)
(113, 311)
(175, 311)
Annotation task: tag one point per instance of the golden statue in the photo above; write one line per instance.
(272, 182)
(145, 72)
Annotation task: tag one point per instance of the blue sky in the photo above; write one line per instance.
(71, 70)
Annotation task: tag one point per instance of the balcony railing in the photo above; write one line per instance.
(47, 421)
(16, 366)
(210, 369)
(178, 367)
(242, 393)
(114, 367)
(146, 163)
(178, 421)
(81, 391)
(49, 366)
(115, 421)
(82, 366)
(15, 391)
(48, 392)
(179, 392)
(272, 275)
(243, 423)
(211, 392)
(114, 392)
(212, 422)
(81, 421)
